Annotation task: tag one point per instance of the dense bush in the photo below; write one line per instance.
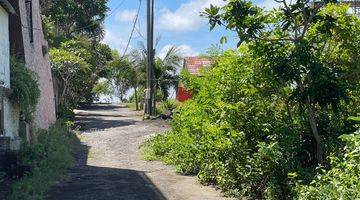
(49, 157)
(243, 135)
(342, 181)
(167, 106)
(26, 92)
(265, 117)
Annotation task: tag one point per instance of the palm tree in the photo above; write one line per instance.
(129, 72)
(126, 74)
(165, 69)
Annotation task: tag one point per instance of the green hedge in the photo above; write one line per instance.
(342, 181)
(243, 135)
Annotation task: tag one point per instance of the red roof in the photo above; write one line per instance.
(194, 64)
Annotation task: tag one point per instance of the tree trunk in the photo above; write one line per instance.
(136, 99)
(62, 98)
(314, 129)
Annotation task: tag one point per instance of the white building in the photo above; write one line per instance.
(9, 113)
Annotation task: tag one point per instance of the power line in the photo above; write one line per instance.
(133, 28)
(116, 8)
(138, 30)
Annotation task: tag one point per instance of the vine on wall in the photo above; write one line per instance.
(24, 84)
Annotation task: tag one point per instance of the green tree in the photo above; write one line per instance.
(126, 75)
(69, 68)
(260, 115)
(69, 18)
(97, 57)
(165, 69)
(312, 49)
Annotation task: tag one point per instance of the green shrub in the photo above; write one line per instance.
(242, 134)
(26, 92)
(342, 181)
(66, 113)
(50, 156)
(168, 105)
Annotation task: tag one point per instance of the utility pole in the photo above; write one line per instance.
(150, 58)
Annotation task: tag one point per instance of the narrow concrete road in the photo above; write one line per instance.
(111, 166)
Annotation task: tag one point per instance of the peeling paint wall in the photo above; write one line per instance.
(11, 112)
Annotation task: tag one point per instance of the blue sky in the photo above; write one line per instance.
(177, 22)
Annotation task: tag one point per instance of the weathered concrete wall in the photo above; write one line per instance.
(37, 59)
(11, 112)
(4, 50)
(11, 125)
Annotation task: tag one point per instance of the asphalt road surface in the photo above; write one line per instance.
(110, 165)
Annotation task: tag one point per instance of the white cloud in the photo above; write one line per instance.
(187, 16)
(184, 50)
(126, 16)
(271, 4)
(268, 4)
(115, 41)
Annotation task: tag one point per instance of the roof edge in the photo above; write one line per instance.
(7, 6)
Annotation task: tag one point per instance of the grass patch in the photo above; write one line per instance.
(148, 150)
(50, 157)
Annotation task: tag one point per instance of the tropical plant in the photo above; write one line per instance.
(129, 72)
(70, 69)
(24, 83)
(253, 123)
(311, 49)
(126, 75)
(165, 69)
(97, 57)
(69, 18)
(342, 181)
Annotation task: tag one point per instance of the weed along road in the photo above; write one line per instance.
(110, 165)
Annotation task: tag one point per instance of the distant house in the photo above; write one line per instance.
(193, 65)
(21, 36)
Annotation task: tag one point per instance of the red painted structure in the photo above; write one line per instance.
(194, 66)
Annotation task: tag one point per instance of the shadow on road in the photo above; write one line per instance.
(100, 183)
(94, 123)
(80, 114)
(101, 106)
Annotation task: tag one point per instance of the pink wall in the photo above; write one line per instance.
(38, 61)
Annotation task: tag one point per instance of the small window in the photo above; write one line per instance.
(29, 16)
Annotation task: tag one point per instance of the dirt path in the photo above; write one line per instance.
(111, 166)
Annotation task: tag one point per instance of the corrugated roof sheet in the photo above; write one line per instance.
(194, 64)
